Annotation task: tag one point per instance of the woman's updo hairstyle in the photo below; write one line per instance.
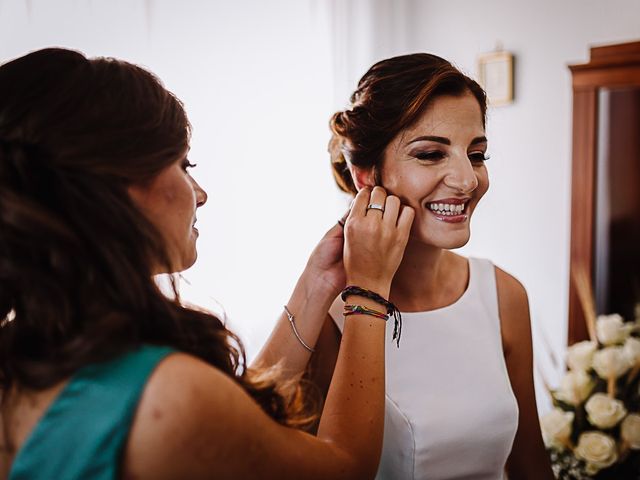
(390, 97)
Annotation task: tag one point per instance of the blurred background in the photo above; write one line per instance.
(260, 80)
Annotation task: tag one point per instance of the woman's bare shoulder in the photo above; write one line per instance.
(513, 306)
(509, 287)
(191, 417)
(194, 421)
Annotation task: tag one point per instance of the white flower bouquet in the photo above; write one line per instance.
(594, 429)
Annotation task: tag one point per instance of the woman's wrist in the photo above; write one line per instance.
(316, 285)
(319, 284)
(380, 287)
(381, 298)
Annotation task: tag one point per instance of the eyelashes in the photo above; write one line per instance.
(187, 164)
(429, 156)
(436, 155)
(479, 157)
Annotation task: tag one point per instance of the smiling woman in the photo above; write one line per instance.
(460, 397)
(443, 171)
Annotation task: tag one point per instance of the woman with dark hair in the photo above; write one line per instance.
(104, 376)
(460, 400)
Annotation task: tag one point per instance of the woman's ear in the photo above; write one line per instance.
(362, 177)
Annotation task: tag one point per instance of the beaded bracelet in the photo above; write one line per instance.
(391, 308)
(361, 309)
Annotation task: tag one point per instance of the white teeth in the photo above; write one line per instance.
(447, 209)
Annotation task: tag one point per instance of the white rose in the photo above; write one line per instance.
(597, 449)
(611, 329)
(579, 355)
(610, 362)
(630, 430)
(631, 351)
(575, 387)
(556, 428)
(604, 412)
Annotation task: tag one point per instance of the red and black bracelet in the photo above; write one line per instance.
(391, 308)
(362, 310)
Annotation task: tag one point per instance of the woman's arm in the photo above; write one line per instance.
(323, 361)
(195, 422)
(321, 281)
(528, 458)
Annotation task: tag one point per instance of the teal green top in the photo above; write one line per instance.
(83, 432)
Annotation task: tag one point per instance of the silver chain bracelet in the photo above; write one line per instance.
(295, 330)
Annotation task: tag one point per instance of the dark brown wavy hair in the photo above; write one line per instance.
(390, 97)
(76, 256)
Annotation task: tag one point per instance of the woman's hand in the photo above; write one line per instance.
(375, 239)
(325, 263)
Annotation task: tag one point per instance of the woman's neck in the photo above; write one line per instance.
(428, 278)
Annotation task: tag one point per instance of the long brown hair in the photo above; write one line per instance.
(389, 98)
(76, 255)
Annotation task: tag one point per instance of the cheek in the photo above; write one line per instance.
(179, 197)
(483, 182)
(169, 195)
(410, 187)
(176, 192)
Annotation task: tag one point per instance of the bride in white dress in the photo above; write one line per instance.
(460, 399)
(460, 396)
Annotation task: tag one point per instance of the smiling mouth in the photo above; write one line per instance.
(448, 208)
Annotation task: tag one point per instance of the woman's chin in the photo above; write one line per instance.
(177, 266)
(447, 242)
(191, 262)
(186, 262)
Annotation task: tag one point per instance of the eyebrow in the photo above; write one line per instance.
(445, 140)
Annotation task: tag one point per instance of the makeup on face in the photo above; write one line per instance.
(170, 202)
(422, 148)
(425, 151)
(437, 167)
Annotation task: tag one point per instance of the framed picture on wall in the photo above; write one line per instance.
(495, 74)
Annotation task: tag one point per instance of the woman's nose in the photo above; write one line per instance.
(461, 176)
(201, 195)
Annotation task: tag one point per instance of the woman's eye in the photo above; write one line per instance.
(429, 156)
(479, 157)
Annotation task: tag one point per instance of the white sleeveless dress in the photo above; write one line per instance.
(450, 411)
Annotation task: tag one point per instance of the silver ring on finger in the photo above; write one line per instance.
(375, 206)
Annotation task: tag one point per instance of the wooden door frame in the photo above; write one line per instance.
(609, 67)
